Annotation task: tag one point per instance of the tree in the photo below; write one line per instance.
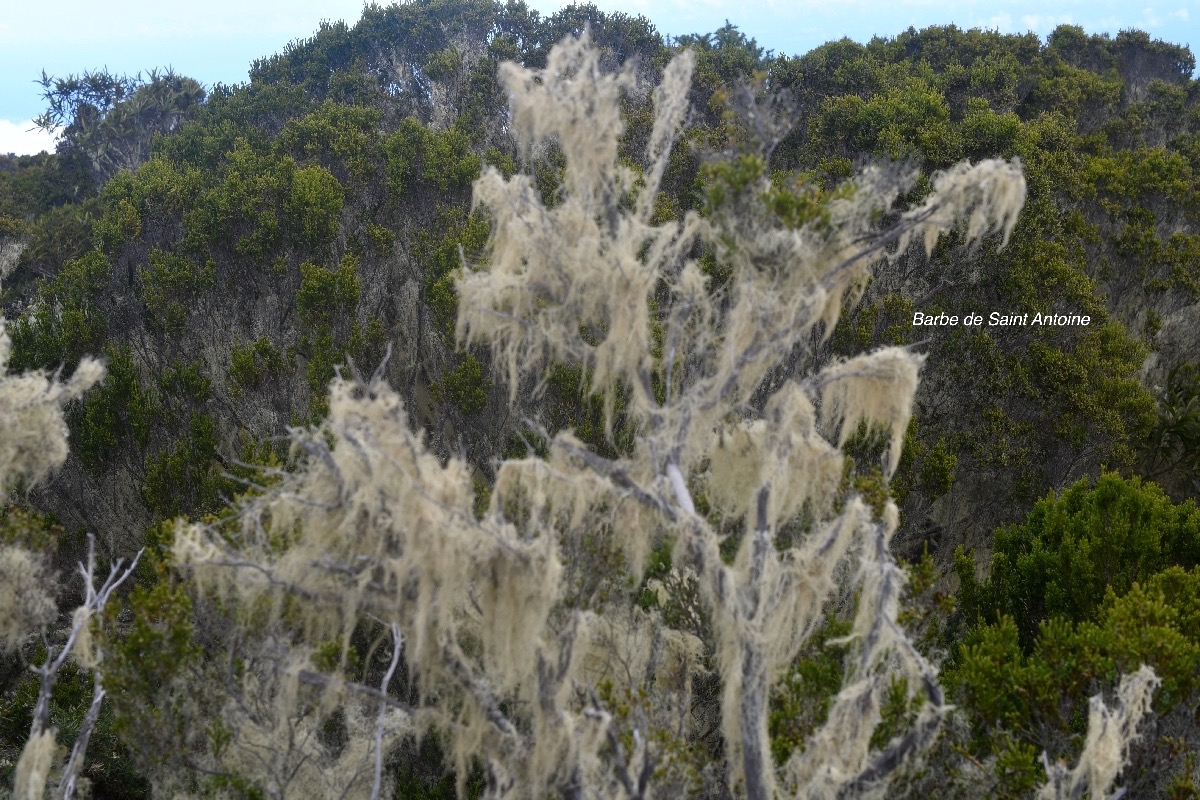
(112, 119)
(1075, 548)
(475, 602)
(698, 333)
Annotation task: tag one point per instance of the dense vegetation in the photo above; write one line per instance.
(230, 252)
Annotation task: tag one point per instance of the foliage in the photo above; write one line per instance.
(1089, 588)
(121, 407)
(801, 700)
(67, 324)
(1041, 696)
(340, 138)
(464, 386)
(1070, 398)
(111, 772)
(162, 620)
(442, 159)
(112, 119)
(169, 283)
(460, 235)
(1078, 546)
(323, 293)
(251, 365)
(1173, 447)
(34, 434)
(186, 475)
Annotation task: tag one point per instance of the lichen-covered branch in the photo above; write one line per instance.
(558, 694)
(1110, 732)
(33, 767)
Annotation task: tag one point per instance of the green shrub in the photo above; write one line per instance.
(252, 365)
(186, 478)
(168, 284)
(1040, 694)
(119, 407)
(340, 137)
(442, 159)
(1074, 548)
(800, 701)
(441, 256)
(147, 712)
(243, 207)
(324, 292)
(464, 386)
(185, 381)
(65, 324)
(313, 208)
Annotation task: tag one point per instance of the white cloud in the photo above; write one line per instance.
(1151, 18)
(16, 137)
(1044, 23)
(1002, 22)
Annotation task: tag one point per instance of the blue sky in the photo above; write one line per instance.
(216, 40)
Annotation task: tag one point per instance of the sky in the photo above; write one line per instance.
(216, 41)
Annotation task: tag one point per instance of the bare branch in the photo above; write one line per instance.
(397, 639)
(79, 748)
